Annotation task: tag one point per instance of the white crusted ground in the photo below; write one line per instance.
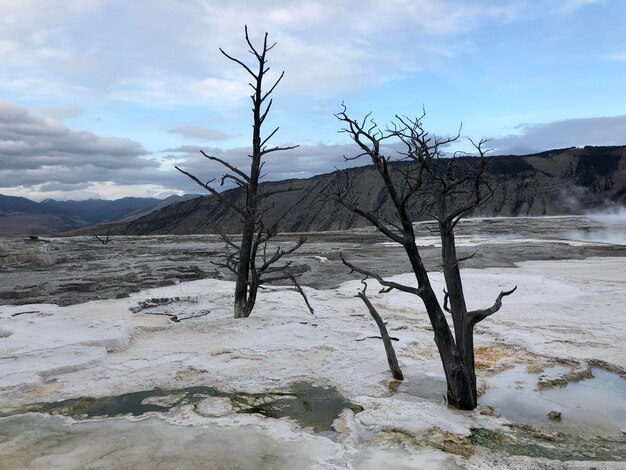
(561, 309)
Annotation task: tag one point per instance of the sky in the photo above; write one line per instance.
(101, 98)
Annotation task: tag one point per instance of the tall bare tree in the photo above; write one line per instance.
(252, 260)
(445, 189)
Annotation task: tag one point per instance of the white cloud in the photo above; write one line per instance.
(200, 133)
(616, 57)
(166, 53)
(569, 6)
(59, 113)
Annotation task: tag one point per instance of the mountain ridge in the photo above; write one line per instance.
(22, 216)
(553, 182)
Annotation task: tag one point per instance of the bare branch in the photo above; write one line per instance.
(278, 149)
(251, 46)
(273, 86)
(225, 237)
(303, 294)
(465, 258)
(272, 192)
(280, 253)
(391, 354)
(376, 221)
(232, 168)
(388, 284)
(479, 315)
(240, 63)
(267, 110)
(216, 193)
(237, 181)
(269, 137)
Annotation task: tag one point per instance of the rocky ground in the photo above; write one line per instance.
(71, 270)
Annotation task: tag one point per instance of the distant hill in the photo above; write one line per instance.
(561, 181)
(94, 211)
(173, 199)
(13, 204)
(21, 216)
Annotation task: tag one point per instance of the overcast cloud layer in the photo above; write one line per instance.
(92, 91)
(560, 134)
(46, 156)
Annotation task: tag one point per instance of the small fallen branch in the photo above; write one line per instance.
(24, 313)
(299, 289)
(161, 302)
(377, 337)
(179, 318)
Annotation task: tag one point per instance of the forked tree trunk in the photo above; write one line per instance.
(458, 378)
(460, 381)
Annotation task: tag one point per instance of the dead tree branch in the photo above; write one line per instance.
(392, 360)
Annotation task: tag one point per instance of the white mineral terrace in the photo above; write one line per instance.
(562, 311)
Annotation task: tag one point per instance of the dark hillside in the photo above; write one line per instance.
(562, 181)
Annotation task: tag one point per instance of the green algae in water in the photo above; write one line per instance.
(554, 447)
(310, 406)
(135, 403)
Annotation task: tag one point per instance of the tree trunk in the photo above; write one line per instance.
(461, 393)
(244, 295)
(242, 286)
(467, 353)
(457, 376)
(254, 229)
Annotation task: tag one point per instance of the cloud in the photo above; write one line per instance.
(61, 187)
(39, 156)
(184, 149)
(38, 151)
(200, 133)
(124, 50)
(616, 57)
(30, 142)
(608, 130)
(302, 162)
(59, 113)
(569, 6)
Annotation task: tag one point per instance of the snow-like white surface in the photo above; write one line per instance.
(561, 309)
(577, 239)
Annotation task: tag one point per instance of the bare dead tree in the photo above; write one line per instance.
(106, 240)
(253, 261)
(446, 190)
